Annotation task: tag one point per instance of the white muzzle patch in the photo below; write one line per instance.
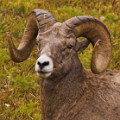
(44, 66)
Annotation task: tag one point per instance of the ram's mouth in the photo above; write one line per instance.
(43, 73)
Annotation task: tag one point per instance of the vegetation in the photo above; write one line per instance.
(19, 85)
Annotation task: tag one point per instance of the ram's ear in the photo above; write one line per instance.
(82, 45)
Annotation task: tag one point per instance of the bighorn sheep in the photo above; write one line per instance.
(68, 90)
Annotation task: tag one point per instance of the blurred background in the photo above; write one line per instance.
(19, 84)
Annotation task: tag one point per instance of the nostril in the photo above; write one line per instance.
(46, 63)
(41, 65)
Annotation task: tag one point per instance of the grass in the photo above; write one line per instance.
(19, 85)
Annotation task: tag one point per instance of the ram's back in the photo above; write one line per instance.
(102, 100)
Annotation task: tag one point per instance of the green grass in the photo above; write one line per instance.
(19, 85)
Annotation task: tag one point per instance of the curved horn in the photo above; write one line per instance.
(39, 20)
(97, 33)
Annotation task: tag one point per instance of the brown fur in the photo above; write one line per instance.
(81, 95)
(72, 92)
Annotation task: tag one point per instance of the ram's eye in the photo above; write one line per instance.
(69, 47)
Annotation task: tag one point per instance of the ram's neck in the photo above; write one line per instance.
(57, 97)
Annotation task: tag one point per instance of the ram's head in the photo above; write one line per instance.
(57, 44)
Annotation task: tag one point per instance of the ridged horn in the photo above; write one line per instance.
(97, 33)
(39, 20)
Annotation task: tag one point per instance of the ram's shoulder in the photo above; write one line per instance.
(109, 78)
(112, 76)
